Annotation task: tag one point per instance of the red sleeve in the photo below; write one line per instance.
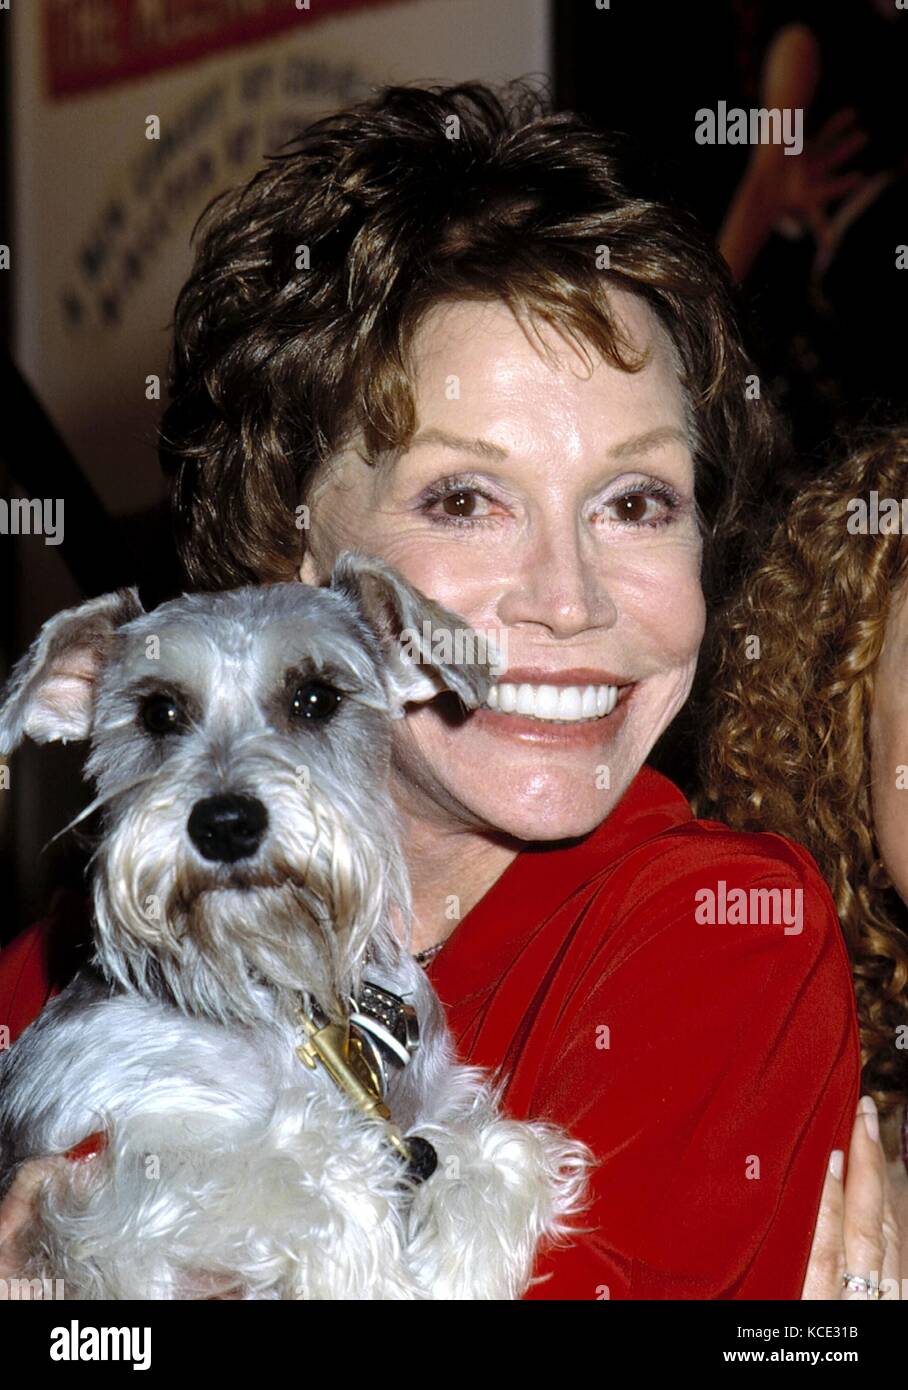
(40, 961)
(724, 1086)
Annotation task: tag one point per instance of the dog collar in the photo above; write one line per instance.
(380, 1030)
(387, 1027)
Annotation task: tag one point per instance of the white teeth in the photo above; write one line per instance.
(568, 703)
(546, 705)
(526, 699)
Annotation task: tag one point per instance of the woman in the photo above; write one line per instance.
(811, 731)
(440, 329)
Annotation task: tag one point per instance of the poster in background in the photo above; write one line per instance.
(102, 214)
(101, 223)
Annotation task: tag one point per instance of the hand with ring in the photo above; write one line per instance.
(856, 1250)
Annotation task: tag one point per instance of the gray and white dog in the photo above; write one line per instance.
(246, 888)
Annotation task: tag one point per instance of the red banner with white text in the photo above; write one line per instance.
(96, 43)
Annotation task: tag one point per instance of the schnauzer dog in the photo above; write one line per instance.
(284, 1113)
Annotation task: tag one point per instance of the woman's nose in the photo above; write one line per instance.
(559, 583)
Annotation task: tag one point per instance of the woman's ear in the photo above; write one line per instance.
(308, 571)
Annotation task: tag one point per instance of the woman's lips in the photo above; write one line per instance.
(526, 729)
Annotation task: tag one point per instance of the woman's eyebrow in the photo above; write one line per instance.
(650, 439)
(484, 448)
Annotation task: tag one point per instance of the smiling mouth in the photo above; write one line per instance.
(555, 704)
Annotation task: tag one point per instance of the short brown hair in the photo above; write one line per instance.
(416, 196)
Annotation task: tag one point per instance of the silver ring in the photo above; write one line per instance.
(858, 1284)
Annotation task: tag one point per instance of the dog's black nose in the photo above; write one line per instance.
(227, 828)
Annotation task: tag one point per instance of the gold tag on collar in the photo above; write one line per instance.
(346, 1063)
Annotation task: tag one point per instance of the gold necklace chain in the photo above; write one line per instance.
(423, 957)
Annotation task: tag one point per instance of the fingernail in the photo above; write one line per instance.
(867, 1108)
(94, 1144)
(837, 1163)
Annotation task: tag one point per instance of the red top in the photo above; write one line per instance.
(711, 1067)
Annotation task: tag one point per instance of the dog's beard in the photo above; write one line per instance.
(220, 940)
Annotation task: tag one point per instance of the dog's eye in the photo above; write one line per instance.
(162, 715)
(314, 700)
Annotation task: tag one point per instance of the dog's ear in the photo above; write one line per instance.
(427, 648)
(50, 694)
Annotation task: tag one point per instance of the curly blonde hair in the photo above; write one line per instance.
(789, 733)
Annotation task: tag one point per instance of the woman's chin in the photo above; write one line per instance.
(545, 806)
(535, 780)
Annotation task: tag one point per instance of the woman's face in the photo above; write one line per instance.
(553, 508)
(889, 745)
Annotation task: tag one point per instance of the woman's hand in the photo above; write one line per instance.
(16, 1211)
(18, 1206)
(857, 1232)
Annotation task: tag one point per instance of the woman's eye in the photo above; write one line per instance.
(464, 503)
(634, 507)
(651, 506)
(162, 715)
(314, 700)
